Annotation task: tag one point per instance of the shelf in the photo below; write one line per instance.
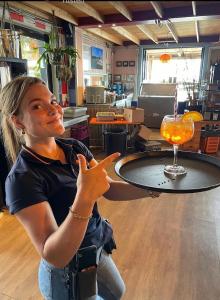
(213, 91)
(211, 122)
(67, 122)
(13, 60)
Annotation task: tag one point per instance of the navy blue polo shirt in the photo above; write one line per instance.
(34, 179)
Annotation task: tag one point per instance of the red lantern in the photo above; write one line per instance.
(164, 58)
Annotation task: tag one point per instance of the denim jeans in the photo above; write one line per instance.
(53, 282)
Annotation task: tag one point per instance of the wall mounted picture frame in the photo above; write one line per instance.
(125, 63)
(131, 63)
(96, 58)
(123, 77)
(130, 77)
(118, 63)
(117, 77)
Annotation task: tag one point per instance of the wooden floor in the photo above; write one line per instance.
(168, 249)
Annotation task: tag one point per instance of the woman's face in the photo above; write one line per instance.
(40, 114)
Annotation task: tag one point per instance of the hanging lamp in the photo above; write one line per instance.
(164, 58)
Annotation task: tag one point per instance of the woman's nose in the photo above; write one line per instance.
(52, 110)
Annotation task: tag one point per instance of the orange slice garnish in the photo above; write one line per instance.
(194, 115)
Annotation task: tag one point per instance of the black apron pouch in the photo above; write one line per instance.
(86, 283)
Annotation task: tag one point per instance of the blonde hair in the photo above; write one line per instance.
(11, 98)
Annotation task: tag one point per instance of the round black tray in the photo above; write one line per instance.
(146, 170)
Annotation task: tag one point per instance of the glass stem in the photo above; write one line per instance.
(175, 151)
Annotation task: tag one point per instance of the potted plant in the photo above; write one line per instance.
(64, 58)
(59, 55)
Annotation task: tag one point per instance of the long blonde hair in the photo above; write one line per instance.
(11, 98)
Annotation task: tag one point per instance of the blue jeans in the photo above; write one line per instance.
(53, 281)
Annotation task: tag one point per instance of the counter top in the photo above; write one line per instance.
(94, 121)
(67, 122)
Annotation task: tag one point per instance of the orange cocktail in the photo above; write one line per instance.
(176, 130)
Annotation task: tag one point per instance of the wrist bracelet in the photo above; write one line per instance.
(78, 216)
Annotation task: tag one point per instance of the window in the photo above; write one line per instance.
(182, 68)
(31, 50)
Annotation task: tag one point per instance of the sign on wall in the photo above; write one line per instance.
(26, 20)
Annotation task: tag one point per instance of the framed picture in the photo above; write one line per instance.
(125, 63)
(118, 63)
(117, 77)
(96, 58)
(130, 77)
(131, 63)
(123, 77)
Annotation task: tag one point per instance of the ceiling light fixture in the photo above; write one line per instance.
(164, 58)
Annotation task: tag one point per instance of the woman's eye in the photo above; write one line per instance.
(54, 102)
(37, 106)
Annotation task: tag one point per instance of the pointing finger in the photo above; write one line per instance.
(106, 162)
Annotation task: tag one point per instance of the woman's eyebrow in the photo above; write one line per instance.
(40, 99)
(35, 99)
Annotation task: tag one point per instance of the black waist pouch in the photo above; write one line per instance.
(86, 283)
(100, 236)
(84, 280)
(110, 244)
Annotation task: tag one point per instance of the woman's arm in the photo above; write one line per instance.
(55, 244)
(59, 244)
(123, 191)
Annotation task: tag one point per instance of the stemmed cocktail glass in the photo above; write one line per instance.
(176, 130)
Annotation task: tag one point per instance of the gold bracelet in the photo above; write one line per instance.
(78, 216)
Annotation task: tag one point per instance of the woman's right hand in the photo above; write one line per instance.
(92, 182)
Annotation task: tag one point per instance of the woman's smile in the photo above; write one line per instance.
(54, 120)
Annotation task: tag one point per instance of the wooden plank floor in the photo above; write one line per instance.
(168, 249)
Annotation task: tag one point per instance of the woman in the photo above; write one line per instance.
(52, 189)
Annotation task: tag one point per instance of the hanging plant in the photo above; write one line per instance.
(59, 56)
(64, 57)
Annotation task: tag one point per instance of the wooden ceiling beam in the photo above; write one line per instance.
(49, 8)
(121, 8)
(197, 30)
(194, 8)
(144, 17)
(196, 22)
(190, 39)
(126, 34)
(106, 35)
(87, 9)
(157, 7)
(169, 25)
(148, 33)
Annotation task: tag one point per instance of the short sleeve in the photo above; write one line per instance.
(23, 190)
(82, 149)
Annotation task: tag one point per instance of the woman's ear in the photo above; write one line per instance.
(17, 122)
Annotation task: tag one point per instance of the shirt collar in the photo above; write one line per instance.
(32, 156)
